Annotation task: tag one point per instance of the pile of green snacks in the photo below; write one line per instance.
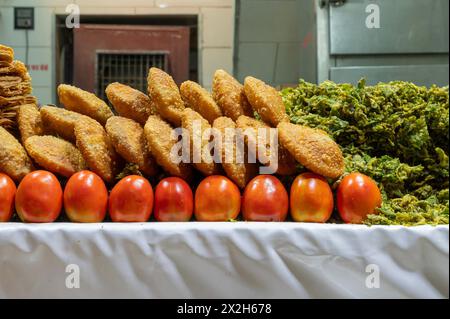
(397, 133)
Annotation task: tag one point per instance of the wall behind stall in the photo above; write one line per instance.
(215, 38)
(267, 43)
(281, 41)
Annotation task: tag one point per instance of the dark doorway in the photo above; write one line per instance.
(65, 59)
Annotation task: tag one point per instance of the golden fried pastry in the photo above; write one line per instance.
(229, 95)
(198, 99)
(96, 148)
(234, 162)
(14, 160)
(161, 139)
(312, 148)
(16, 68)
(7, 117)
(197, 127)
(165, 96)
(60, 121)
(17, 100)
(14, 85)
(29, 121)
(77, 100)
(266, 101)
(257, 134)
(6, 53)
(128, 139)
(129, 102)
(55, 155)
(10, 80)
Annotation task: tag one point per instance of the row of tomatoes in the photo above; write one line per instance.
(40, 198)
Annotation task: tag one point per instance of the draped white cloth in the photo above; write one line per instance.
(222, 260)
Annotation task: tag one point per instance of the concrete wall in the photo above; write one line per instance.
(268, 40)
(216, 32)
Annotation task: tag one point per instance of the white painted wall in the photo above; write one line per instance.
(216, 32)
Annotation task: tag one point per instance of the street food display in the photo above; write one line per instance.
(345, 154)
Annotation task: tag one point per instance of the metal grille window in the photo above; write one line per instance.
(130, 68)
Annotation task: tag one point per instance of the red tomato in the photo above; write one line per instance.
(357, 196)
(265, 199)
(85, 198)
(217, 199)
(7, 193)
(311, 199)
(39, 198)
(173, 200)
(131, 200)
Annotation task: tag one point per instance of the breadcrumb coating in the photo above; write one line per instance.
(83, 102)
(29, 121)
(266, 101)
(240, 173)
(14, 160)
(129, 102)
(55, 155)
(161, 139)
(229, 95)
(128, 139)
(97, 149)
(165, 96)
(313, 148)
(200, 100)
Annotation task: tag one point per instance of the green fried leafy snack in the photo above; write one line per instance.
(396, 132)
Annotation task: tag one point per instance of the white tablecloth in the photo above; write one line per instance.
(222, 260)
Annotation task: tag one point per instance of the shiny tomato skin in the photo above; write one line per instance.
(265, 199)
(217, 198)
(7, 194)
(85, 198)
(39, 198)
(131, 200)
(311, 199)
(357, 196)
(174, 201)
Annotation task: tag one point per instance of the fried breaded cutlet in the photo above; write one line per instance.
(200, 100)
(14, 160)
(229, 95)
(238, 171)
(55, 155)
(83, 102)
(165, 96)
(61, 122)
(29, 121)
(129, 102)
(197, 127)
(258, 135)
(266, 101)
(161, 139)
(313, 148)
(96, 148)
(128, 139)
